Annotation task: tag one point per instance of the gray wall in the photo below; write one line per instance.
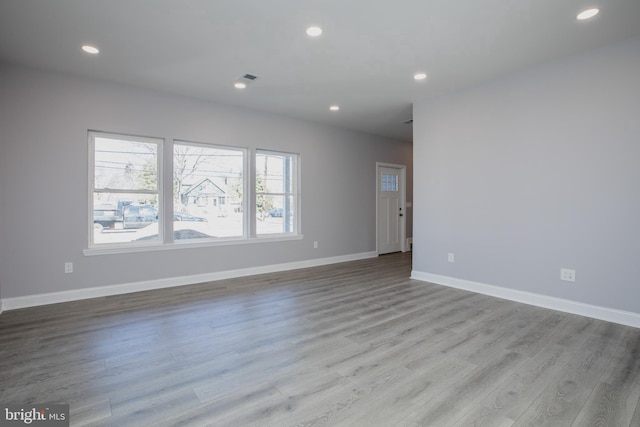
(534, 172)
(43, 176)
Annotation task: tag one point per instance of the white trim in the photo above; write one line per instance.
(597, 312)
(147, 285)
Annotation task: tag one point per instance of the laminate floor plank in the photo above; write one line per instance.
(270, 367)
(511, 398)
(91, 412)
(351, 344)
(302, 393)
(407, 397)
(576, 332)
(133, 408)
(479, 342)
(635, 420)
(404, 322)
(615, 397)
(449, 407)
(561, 401)
(481, 416)
(336, 410)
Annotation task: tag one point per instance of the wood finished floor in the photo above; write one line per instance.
(352, 344)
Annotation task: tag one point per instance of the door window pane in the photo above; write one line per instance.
(389, 182)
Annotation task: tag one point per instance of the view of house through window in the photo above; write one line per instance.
(125, 187)
(276, 187)
(208, 191)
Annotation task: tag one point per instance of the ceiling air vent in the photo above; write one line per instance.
(244, 81)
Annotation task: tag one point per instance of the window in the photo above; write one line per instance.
(389, 182)
(208, 191)
(205, 197)
(125, 188)
(276, 193)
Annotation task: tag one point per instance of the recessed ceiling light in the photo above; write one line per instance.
(314, 31)
(586, 14)
(239, 85)
(334, 108)
(420, 76)
(90, 49)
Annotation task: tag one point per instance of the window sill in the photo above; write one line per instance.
(108, 250)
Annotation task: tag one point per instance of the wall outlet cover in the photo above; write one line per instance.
(568, 275)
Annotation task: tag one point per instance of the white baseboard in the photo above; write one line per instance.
(603, 313)
(125, 288)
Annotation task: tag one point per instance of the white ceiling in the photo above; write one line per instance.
(364, 61)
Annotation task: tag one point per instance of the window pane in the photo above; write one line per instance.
(274, 173)
(124, 183)
(207, 191)
(124, 218)
(125, 165)
(276, 186)
(389, 182)
(278, 214)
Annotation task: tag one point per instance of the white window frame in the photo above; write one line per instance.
(92, 134)
(295, 193)
(164, 194)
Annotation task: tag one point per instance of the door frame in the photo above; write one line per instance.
(403, 202)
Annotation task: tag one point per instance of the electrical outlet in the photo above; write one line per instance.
(68, 267)
(450, 257)
(567, 275)
(315, 245)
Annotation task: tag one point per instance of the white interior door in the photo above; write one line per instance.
(390, 209)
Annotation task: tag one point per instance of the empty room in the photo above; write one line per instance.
(334, 213)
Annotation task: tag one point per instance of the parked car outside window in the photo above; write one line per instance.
(179, 216)
(138, 216)
(275, 212)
